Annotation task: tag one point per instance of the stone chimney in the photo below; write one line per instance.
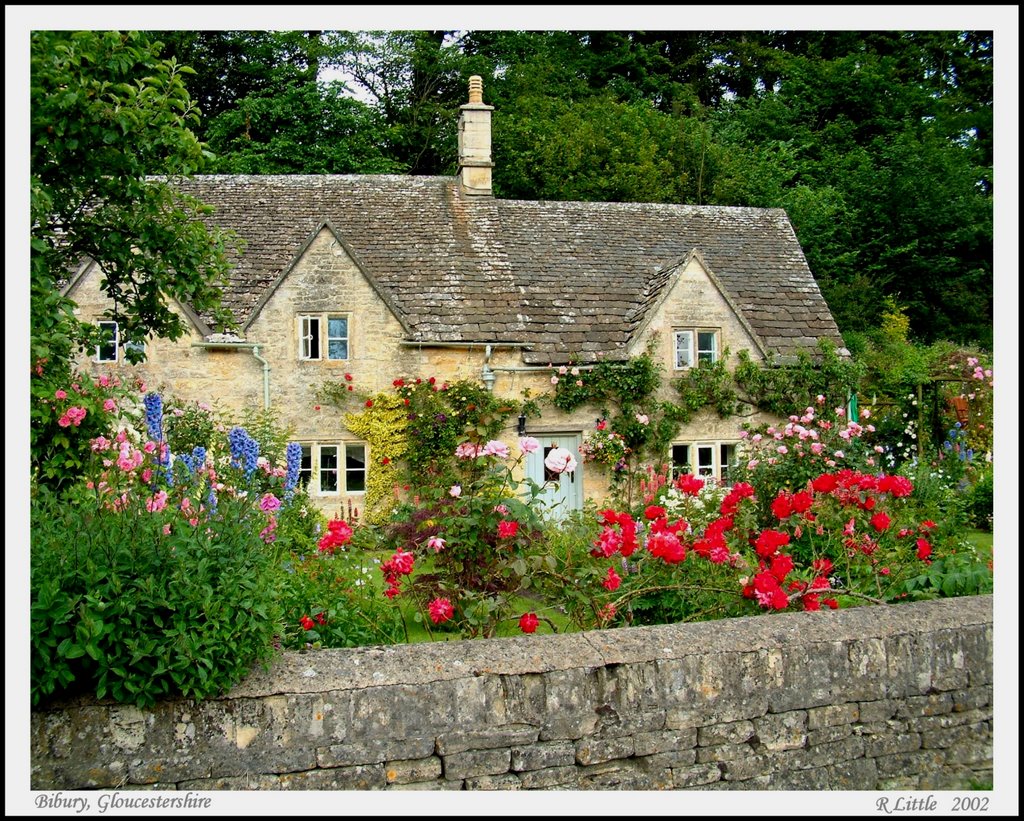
(475, 142)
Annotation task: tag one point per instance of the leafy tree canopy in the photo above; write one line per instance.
(110, 129)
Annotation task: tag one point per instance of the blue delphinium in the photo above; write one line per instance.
(244, 450)
(293, 461)
(154, 406)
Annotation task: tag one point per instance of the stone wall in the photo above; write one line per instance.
(871, 698)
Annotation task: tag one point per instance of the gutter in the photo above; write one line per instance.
(254, 349)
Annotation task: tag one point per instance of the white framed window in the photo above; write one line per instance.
(708, 460)
(692, 346)
(106, 351)
(309, 337)
(333, 468)
(337, 337)
(324, 336)
(684, 349)
(707, 346)
(111, 348)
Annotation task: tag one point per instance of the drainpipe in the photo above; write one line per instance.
(254, 349)
(266, 376)
(487, 375)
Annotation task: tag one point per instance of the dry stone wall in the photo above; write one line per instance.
(871, 698)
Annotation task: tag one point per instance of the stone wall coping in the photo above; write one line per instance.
(410, 664)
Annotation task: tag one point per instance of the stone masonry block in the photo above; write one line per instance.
(476, 762)
(402, 711)
(665, 741)
(549, 777)
(374, 752)
(595, 751)
(696, 776)
(570, 710)
(543, 755)
(510, 736)
(782, 731)
(412, 770)
(494, 782)
(735, 732)
(832, 715)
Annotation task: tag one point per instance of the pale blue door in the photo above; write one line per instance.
(562, 492)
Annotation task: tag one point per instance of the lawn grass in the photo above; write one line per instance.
(982, 541)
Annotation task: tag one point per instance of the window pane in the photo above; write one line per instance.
(355, 468)
(106, 351)
(309, 344)
(707, 347)
(306, 466)
(728, 456)
(329, 469)
(337, 337)
(684, 349)
(705, 460)
(680, 460)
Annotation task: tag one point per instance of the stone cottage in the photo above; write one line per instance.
(382, 277)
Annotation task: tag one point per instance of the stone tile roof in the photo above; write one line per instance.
(567, 278)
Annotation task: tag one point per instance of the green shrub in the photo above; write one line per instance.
(981, 502)
(139, 605)
(333, 601)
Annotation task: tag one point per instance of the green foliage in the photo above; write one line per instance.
(106, 115)
(264, 425)
(130, 612)
(188, 425)
(779, 388)
(708, 385)
(981, 502)
(958, 573)
(337, 594)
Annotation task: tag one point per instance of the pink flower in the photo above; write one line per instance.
(562, 370)
(612, 580)
(157, 502)
(642, 418)
(455, 491)
(468, 450)
(440, 610)
(528, 622)
(64, 421)
(269, 503)
(436, 543)
(554, 380)
(61, 394)
(109, 405)
(167, 529)
(76, 415)
(496, 448)
(560, 460)
(507, 529)
(529, 445)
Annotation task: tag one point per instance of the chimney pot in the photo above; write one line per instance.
(476, 89)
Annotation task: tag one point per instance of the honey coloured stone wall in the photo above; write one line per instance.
(870, 698)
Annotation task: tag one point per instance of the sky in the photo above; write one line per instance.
(20, 20)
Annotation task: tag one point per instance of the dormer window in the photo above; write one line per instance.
(321, 334)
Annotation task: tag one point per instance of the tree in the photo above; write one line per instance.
(110, 129)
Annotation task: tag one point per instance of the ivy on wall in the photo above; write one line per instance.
(782, 388)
